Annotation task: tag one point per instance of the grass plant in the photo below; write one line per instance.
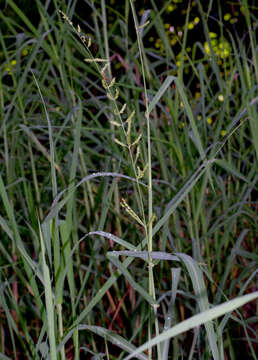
(128, 184)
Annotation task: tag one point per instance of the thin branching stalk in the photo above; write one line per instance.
(150, 196)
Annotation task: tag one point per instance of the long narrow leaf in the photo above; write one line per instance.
(130, 279)
(106, 334)
(197, 320)
(49, 302)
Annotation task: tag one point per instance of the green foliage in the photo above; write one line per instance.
(125, 147)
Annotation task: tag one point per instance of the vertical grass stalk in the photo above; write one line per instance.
(150, 199)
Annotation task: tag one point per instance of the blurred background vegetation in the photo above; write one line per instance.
(210, 46)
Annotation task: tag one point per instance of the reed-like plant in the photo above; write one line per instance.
(111, 181)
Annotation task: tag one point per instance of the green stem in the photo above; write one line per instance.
(150, 197)
(60, 327)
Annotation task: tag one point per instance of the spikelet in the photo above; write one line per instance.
(96, 60)
(115, 123)
(110, 97)
(129, 119)
(116, 94)
(141, 173)
(115, 97)
(64, 16)
(119, 142)
(83, 39)
(137, 154)
(112, 82)
(130, 211)
(104, 69)
(137, 140)
(143, 25)
(122, 109)
(104, 84)
(108, 86)
(117, 111)
(129, 123)
(128, 133)
(86, 40)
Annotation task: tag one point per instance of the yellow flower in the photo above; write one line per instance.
(213, 35)
(173, 41)
(190, 26)
(209, 120)
(196, 20)
(221, 98)
(13, 62)
(25, 52)
(170, 8)
(207, 48)
(223, 132)
(227, 17)
(8, 69)
(225, 53)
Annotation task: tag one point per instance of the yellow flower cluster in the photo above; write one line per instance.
(9, 67)
(193, 23)
(221, 47)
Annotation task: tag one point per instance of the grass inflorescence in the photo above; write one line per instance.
(128, 181)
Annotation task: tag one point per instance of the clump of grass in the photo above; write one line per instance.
(116, 215)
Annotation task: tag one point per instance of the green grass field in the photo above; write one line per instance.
(128, 181)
